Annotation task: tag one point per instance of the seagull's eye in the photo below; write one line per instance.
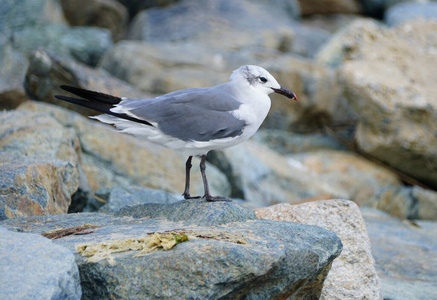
(263, 79)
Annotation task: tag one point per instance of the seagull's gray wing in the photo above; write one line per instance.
(193, 114)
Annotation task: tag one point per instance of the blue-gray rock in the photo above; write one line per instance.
(191, 212)
(85, 44)
(108, 14)
(405, 255)
(256, 259)
(28, 13)
(33, 267)
(121, 196)
(403, 12)
(190, 19)
(46, 72)
(285, 142)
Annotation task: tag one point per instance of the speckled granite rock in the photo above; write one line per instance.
(353, 274)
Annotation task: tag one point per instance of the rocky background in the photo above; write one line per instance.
(364, 129)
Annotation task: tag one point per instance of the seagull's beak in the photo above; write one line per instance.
(285, 92)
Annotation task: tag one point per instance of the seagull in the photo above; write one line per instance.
(191, 121)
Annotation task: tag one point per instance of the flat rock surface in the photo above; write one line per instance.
(33, 267)
(405, 255)
(191, 212)
(256, 259)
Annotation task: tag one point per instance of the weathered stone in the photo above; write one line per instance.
(33, 267)
(403, 12)
(408, 202)
(391, 92)
(39, 165)
(13, 66)
(121, 196)
(393, 95)
(405, 255)
(353, 274)
(47, 72)
(29, 13)
(361, 180)
(286, 143)
(252, 259)
(213, 20)
(85, 44)
(110, 158)
(108, 14)
(263, 177)
(191, 212)
(312, 7)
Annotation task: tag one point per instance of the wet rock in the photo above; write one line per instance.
(39, 165)
(108, 14)
(256, 258)
(408, 11)
(402, 251)
(34, 267)
(121, 196)
(353, 274)
(110, 158)
(47, 72)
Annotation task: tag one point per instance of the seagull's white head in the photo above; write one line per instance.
(259, 79)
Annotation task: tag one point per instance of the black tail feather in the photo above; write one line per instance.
(96, 103)
(91, 95)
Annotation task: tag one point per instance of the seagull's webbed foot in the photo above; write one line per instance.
(210, 198)
(188, 196)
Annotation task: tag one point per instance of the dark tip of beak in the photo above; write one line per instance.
(285, 92)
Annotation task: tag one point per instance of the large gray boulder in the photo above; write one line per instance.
(405, 255)
(391, 92)
(249, 259)
(33, 267)
(215, 21)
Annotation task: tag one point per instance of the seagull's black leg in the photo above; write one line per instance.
(208, 196)
(186, 193)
